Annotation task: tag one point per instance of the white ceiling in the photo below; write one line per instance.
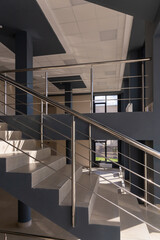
(89, 33)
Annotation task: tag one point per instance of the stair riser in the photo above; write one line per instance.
(20, 144)
(45, 172)
(3, 126)
(16, 162)
(40, 175)
(60, 163)
(39, 154)
(22, 159)
(10, 135)
(66, 188)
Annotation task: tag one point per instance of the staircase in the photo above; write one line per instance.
(43, 182)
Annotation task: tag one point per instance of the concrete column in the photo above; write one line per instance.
(24, 215)
(156, 110)
(24, 101)
(24, 59)
(68, 103)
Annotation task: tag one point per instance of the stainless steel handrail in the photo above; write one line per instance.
(86, 119)
(22, 234)
(77, 65)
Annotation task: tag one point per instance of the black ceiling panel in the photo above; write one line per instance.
(142, 9)
(26, 15)
(60, 82)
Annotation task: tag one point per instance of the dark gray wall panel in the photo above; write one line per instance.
(140, 126)
(22, 15)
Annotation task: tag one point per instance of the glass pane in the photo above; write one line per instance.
(99, 99)
(99, 108)
(100, 151)
(112, 150)
(112, 103)
(112, 97)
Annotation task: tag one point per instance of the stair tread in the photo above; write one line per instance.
(129, 224)
(11, 154)
(84, 190)
(33, 167)
(57, 179)
(34, 150)
(9, 131)
(19, 140)
(105, 213)
(3, 155)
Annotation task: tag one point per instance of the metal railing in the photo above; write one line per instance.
(90, 81)
(91, 122)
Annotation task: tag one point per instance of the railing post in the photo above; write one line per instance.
(143, 89)
(90, 126)
(46, 90)
(91, 88)
(90, 148)
(73, 173)
(42, 143)
(5, 236)
(145, 175)
(5, 98)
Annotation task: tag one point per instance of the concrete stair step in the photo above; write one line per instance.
(28, 144)
(105, 213)
(85, 186)
(10, 161)
(3, 126)
(38, 154)
(10, 135)
(40, 171)
(130, 225)
(152, 216)
(13, 160)
(60, 181)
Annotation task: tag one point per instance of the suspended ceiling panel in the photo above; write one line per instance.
(88, 33)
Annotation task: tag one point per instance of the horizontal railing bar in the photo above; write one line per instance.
(38, 111)
(34, 158)
(133, 194)
(118, 135)
(77, 65)
(61, 144)
(77, 80)
(141, 189)
(129, 170)
(26, 134)
(116, 205)
(149, 168)
(123, 77)
(53, 130)
(64, 147)
(22, 234)
(119, 165)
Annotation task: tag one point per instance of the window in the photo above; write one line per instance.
(106, 150)
(112, 103)
(103, 104)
